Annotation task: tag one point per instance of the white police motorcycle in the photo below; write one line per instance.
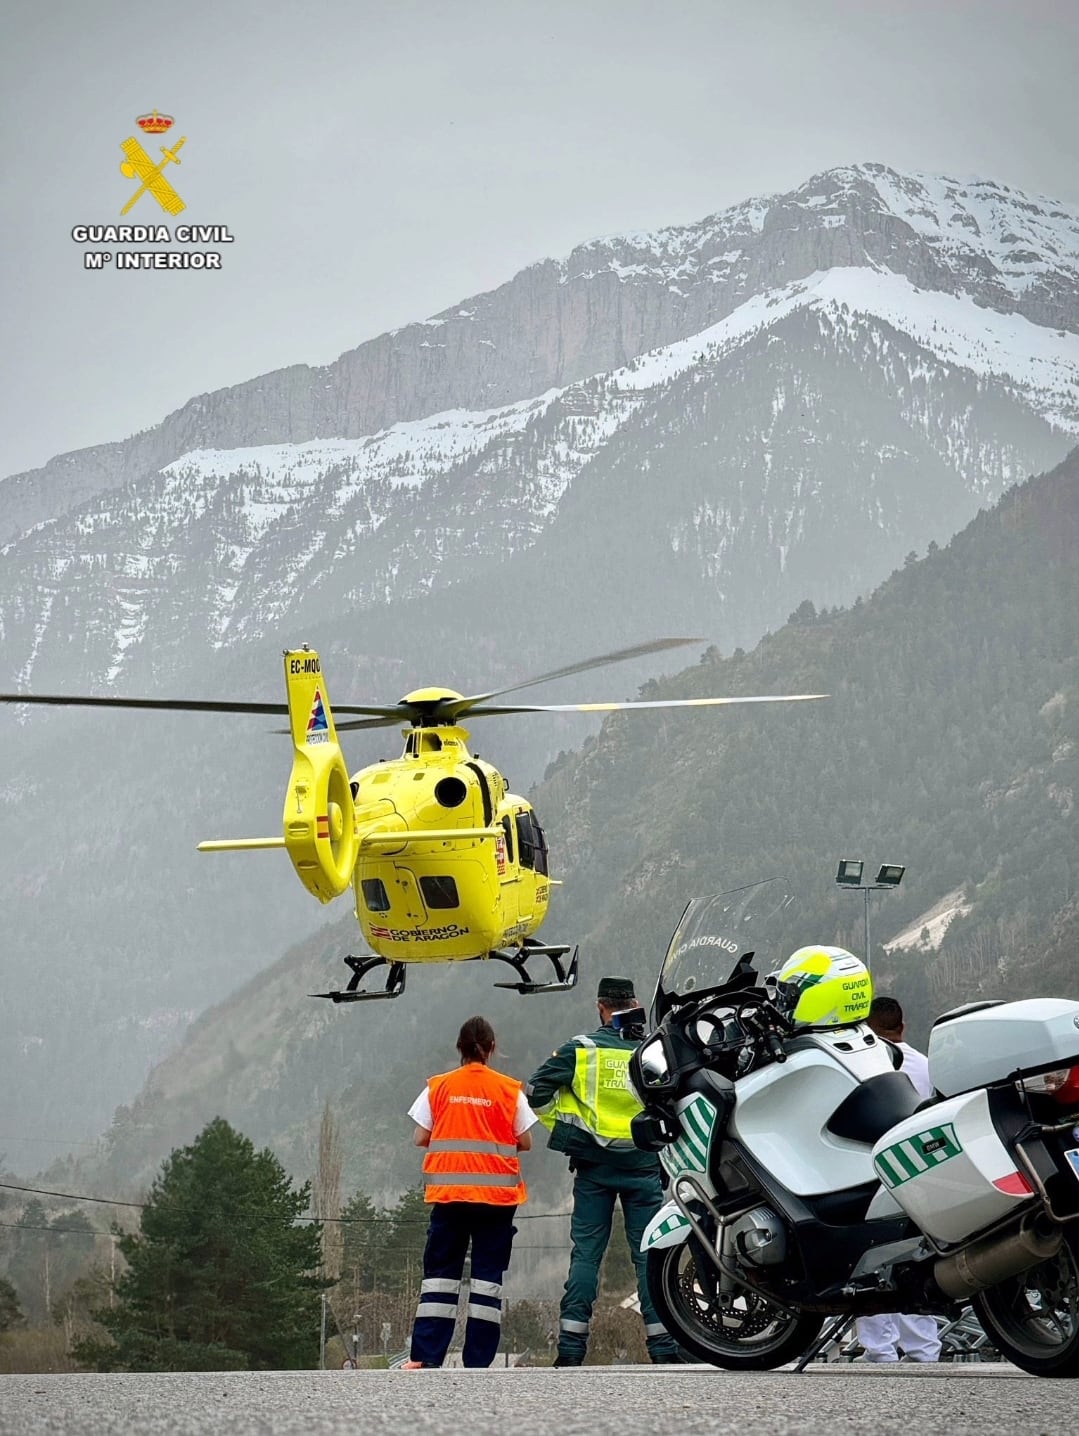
(807, 1180)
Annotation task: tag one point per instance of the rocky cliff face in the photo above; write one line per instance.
(609, 301)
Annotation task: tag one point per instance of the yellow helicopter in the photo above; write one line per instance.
(446, 864)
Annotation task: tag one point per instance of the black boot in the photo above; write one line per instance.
(561, 1360)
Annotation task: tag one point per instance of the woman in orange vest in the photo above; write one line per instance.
(473, 1122)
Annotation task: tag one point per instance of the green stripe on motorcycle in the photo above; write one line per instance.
(690, 1151)
(701, 1118)
(676, 1222)
(904, 1160)
(683, 1157)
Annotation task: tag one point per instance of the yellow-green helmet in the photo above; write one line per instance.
(823, 987)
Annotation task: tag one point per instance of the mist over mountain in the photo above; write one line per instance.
(688, 431)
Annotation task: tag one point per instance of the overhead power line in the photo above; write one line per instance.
(70, 1196)
(82, 1232)
(388, 1220)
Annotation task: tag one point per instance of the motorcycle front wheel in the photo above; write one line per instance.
(1033, 1318)
(741, 1331)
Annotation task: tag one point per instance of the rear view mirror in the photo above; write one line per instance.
(651, 1068)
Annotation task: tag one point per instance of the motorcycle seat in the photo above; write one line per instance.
(873, 1107)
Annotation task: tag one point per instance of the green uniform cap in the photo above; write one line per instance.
(615, 989)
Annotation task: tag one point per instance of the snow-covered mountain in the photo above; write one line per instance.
(261, 535)
(688, 430)
(560, 321)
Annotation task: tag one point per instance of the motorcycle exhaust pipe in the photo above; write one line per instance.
(994, 1259)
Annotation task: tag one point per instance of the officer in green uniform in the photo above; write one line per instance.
(582, 1095)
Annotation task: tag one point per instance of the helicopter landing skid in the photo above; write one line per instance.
(565, 977)
(361, 966)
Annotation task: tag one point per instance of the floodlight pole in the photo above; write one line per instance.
(894, 872)
(868, 888)
(872, 888)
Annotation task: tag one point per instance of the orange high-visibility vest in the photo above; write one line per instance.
(472, 1156)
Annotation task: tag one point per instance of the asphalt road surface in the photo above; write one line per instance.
(945, 1400)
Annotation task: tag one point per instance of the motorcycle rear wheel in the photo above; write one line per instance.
(744, 1333)
(1033, 1319)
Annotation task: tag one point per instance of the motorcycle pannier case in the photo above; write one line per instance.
(948, 1169)
(991, 1044)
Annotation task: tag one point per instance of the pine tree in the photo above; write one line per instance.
(405, 1241)
(363, 1242)
(220, 1276)
(10, 1312)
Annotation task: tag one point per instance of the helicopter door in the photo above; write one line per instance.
(407, 903)
(505, 859)
(526, 862)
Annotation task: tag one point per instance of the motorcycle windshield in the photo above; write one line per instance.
(751, 926)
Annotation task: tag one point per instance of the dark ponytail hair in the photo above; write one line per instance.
(476, 1040)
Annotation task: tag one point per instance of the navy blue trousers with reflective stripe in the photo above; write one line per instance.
(453, 1225)
(595, 1190)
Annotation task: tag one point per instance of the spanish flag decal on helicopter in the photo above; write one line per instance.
(317, 727)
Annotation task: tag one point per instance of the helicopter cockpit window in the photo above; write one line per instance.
(508, 829)
(374, 895)
(526, 843)
(439, 892)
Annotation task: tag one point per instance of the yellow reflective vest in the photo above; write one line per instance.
(582, 1095)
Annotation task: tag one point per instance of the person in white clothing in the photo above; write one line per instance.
(882, 1336)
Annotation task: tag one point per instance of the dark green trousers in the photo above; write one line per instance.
(596, 1188)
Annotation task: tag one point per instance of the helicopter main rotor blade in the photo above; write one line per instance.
(387, 714)
(185, 705)
(494, 710)
(639, 650)
(391, 717)
(382, 713)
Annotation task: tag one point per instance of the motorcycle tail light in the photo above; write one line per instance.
(1062, 1084)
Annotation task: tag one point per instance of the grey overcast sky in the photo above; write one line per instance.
(378, 160)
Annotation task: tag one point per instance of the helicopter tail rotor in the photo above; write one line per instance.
(320, 817)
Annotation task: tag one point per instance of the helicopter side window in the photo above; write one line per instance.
(439, 892)
(375, 895)
(541, 847)
(526, 844)
(507, 827)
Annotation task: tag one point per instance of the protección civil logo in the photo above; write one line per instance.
(153, 186)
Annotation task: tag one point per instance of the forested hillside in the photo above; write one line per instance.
(949, 744)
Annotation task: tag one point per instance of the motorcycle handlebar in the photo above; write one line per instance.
(775, 1046)
(762, 1020)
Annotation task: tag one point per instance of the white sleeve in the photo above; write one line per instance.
(420, 1111)
(916, 1066)
(524, 1117)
